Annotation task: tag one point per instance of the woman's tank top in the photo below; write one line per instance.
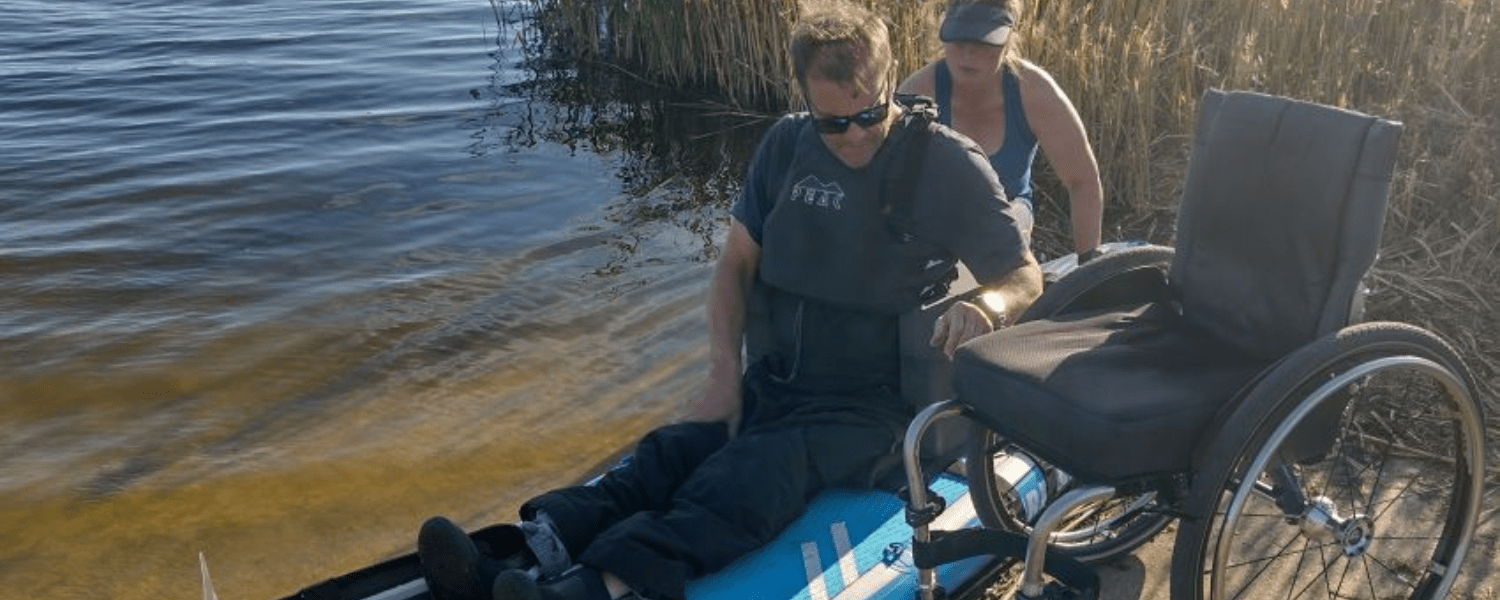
(1012, 162)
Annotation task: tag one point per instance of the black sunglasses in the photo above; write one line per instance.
(866, 118)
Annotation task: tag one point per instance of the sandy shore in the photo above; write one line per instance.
(1144, 575)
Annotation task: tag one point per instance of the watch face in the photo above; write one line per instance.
(995, 304)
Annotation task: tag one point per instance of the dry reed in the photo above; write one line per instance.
(1136, 68)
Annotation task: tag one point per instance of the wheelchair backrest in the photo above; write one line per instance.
(1280, 218)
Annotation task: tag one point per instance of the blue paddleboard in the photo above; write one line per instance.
(850, 544)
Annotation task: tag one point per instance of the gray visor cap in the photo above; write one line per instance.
(977, 22)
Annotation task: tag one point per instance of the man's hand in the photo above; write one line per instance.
(720, 402)
(1007, 297)
(962, 322)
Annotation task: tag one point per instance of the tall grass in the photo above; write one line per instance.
(1136, 68)
(736, 48)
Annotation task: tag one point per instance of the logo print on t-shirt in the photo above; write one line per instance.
(814, 192)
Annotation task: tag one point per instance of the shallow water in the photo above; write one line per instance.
(282, 279)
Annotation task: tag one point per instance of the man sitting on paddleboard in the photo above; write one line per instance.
(831, 241)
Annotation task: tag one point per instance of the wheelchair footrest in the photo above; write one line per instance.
(1074, 580)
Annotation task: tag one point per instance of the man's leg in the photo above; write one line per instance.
(455, 570)
(662, 461)
(737, 500)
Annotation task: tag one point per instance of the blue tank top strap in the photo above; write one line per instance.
(942, 88)
(1012, 162)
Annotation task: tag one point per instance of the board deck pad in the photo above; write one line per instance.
(849, 544)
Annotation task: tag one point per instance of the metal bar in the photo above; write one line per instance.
(916, 482)
(1032, 584)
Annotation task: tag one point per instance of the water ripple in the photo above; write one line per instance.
(267, 262)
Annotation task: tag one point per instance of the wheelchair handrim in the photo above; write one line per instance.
(1473, 459)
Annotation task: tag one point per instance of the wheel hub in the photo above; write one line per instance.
(1323, 523)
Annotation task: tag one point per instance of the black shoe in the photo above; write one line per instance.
(451, 563)
(531, 546)
(579, 583)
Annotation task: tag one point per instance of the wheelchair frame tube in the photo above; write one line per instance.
(916, 482)
(1032, 585)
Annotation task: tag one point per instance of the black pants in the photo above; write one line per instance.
(691, 500)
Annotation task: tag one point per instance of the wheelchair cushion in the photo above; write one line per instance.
(1112, 396)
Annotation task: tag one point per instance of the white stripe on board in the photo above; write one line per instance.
(816, 587)
(845, 550)
(959, 515)
(404, 591)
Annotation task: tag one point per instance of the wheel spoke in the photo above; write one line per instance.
(1409, 579)
(1092, 532)
(1262, 564)
(1379, 431)
(1369, 578)
(1323, 574)
(1385, 454)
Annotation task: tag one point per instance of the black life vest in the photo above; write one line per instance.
(848, 237)
(841, 262)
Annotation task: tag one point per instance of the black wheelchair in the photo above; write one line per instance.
(1227, 384)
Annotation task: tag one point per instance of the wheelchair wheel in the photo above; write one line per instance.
(1123, 277)
(1094, 532)
(1353, 469)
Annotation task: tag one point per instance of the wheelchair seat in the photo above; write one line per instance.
(1279, 221)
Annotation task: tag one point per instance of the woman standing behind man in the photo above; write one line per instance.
(1007, 105)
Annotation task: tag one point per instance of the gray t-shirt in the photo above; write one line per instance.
(826, 233)
(838, 268)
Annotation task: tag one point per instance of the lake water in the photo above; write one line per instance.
(281, 279)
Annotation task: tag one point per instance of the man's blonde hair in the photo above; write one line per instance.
(842, 42)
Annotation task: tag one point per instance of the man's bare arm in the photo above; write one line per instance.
(1005, 298)
(733, 277)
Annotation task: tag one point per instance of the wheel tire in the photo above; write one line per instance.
(1123, 277)
(1374, 479)
(1127, 276)
(1094, 532)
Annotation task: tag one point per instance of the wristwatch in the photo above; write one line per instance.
(993, 304)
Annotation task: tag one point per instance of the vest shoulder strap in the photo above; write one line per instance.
(919, 120)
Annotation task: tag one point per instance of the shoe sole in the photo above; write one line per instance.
(450, 561)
